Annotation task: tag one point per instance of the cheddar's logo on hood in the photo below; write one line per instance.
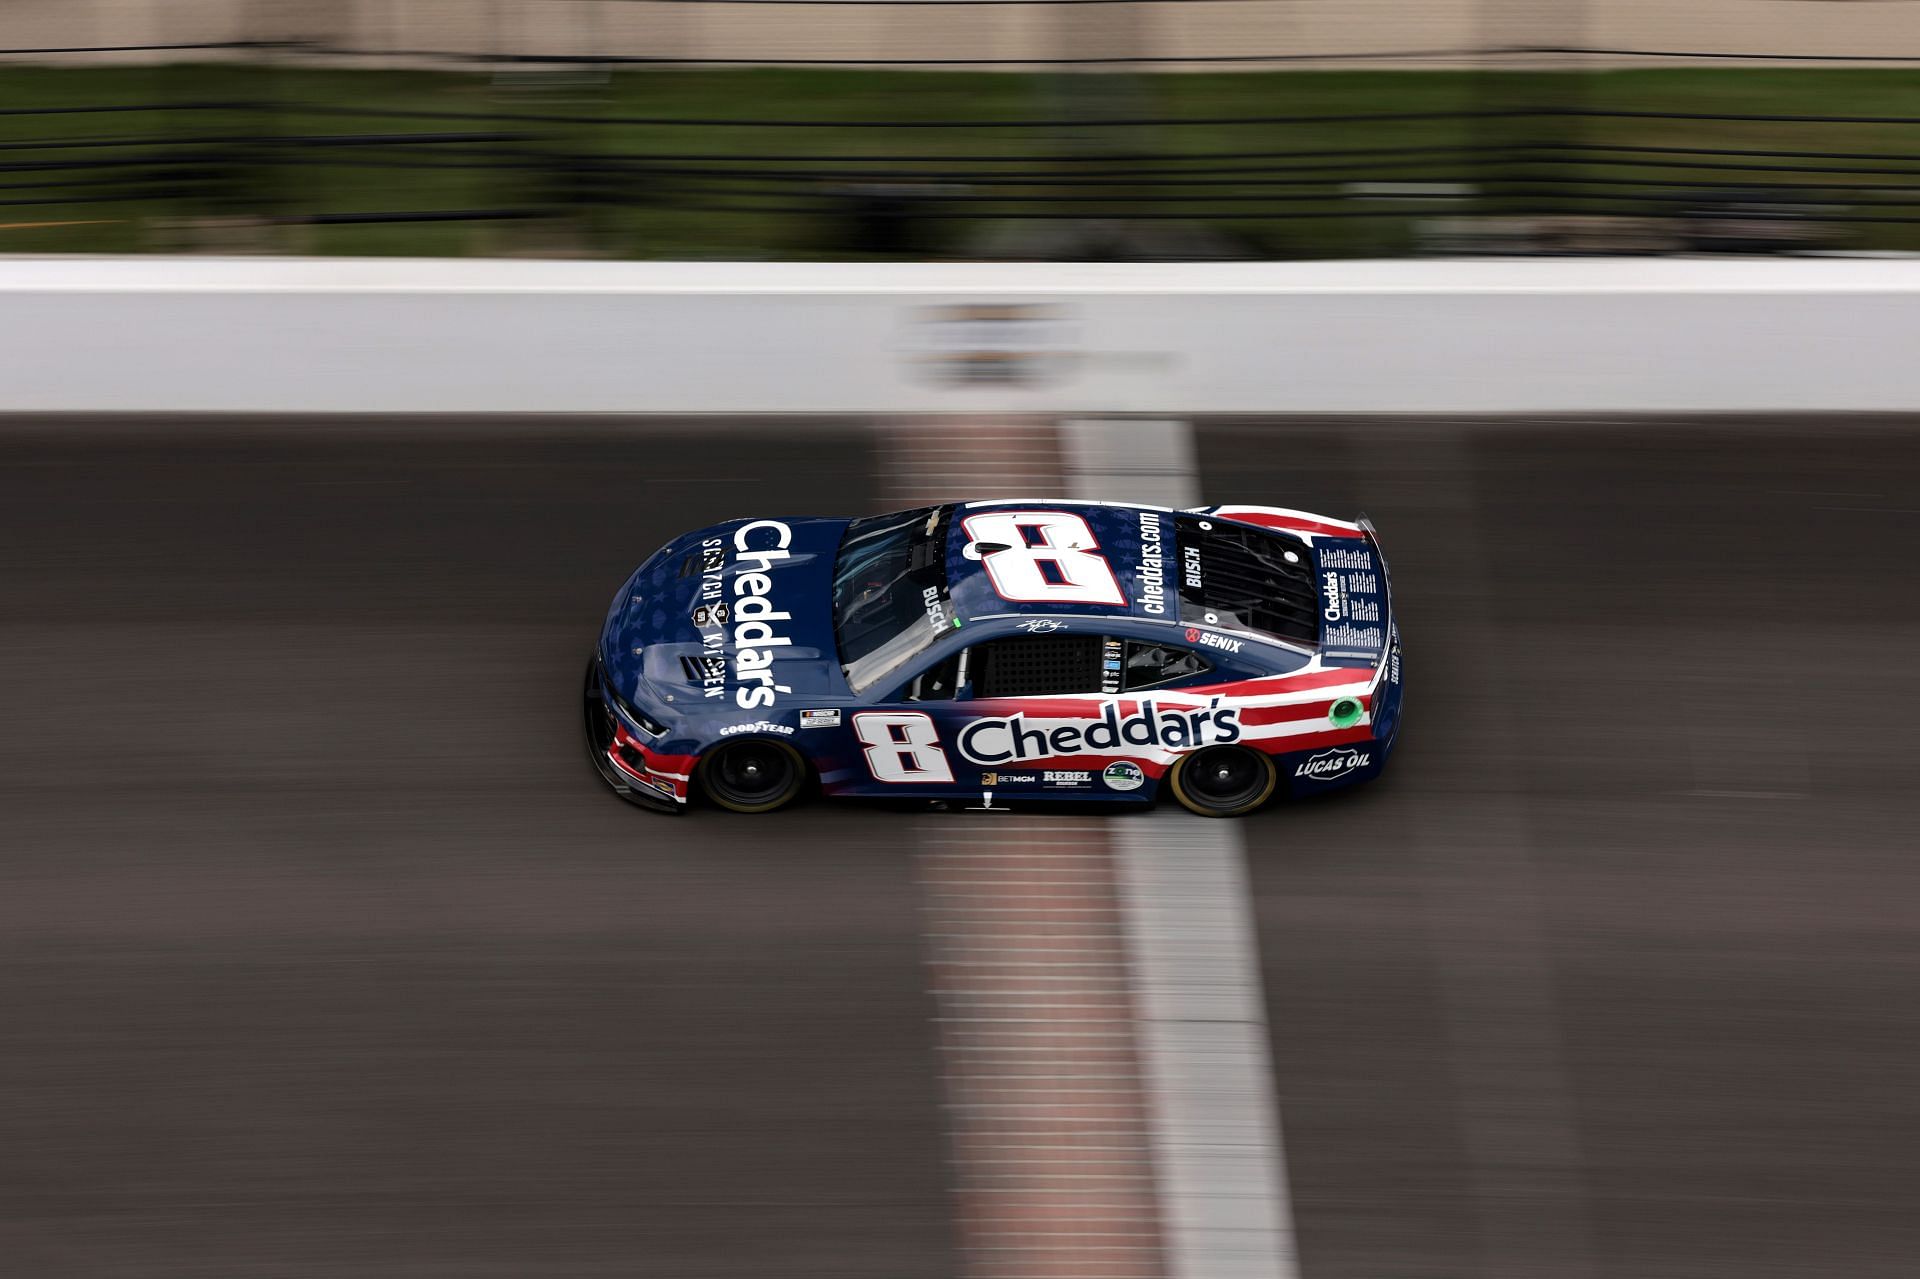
(761, 544)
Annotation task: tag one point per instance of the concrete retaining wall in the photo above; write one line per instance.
(339, 335)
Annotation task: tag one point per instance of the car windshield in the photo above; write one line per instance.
(890, 592)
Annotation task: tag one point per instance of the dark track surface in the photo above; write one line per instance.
(1617, 973)
(324, 953)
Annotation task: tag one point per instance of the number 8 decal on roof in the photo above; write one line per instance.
(1042, 557)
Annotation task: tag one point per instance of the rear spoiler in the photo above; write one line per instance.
(1356, 594)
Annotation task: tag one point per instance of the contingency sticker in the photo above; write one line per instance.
(1353, 605)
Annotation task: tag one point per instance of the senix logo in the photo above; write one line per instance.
(1331, 764)
(1207, 638)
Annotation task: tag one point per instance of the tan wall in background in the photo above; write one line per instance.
(1179, 28)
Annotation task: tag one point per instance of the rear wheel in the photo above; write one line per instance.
(752, 775)
(1223, 781)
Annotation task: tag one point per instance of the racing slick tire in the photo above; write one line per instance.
(1223, 781)
(752, 775)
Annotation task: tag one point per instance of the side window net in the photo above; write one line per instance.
(1036, 666)
(1150, 665)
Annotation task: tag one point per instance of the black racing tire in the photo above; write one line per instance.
(1224, 781)
(752, 775)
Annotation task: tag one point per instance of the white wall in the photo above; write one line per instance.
(339, 335)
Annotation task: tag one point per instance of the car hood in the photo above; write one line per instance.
(735, 617)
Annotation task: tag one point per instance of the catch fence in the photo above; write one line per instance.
(318, 146)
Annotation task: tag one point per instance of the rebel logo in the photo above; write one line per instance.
(1328, 765)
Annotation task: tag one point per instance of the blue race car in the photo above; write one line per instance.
(986, 652)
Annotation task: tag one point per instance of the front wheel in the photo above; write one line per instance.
(752, 775)
(1223, 781)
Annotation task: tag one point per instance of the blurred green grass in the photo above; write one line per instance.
(48, 209)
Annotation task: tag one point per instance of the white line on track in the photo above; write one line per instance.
(1201, 1011)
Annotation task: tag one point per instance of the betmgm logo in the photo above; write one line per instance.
(992, 344)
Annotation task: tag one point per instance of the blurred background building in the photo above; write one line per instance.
(960, 128)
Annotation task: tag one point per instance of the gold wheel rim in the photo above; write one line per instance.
(1193, 805)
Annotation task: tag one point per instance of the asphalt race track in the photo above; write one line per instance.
(1616, 973)
(325, 953)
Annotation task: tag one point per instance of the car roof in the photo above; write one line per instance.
(1124, 535)
(1137, 546)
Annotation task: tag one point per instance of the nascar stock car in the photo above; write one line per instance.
(975, 654)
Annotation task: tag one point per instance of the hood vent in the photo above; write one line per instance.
(703, 668)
